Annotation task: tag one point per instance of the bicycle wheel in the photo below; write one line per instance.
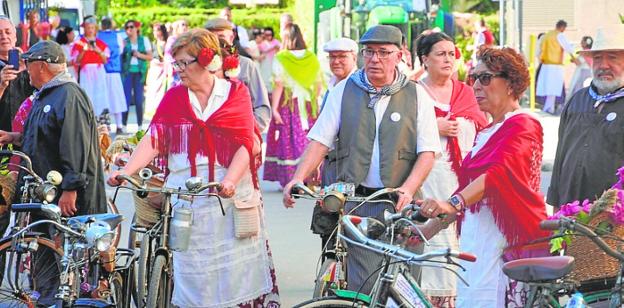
(115, 283)
(112, 208)
(331, 301)
(31, 271)
(158, 290)
(145, 256)
(321, 287)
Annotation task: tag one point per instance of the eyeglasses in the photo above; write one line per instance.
(381, 54)
(484, 78)
(181, 65)
(130, 27)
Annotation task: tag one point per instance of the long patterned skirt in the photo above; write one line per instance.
(285, 143)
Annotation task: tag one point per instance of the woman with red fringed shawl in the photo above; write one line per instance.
(459, 119)
(498, 205)
(205, 127)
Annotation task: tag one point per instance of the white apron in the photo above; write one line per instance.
(91, 77)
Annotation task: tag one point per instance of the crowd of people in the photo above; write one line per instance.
(469, 153)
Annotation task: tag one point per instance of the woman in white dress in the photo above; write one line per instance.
(205, 127)
(459, 119)
(498, 204)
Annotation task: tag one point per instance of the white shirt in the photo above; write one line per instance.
(243, 36)
(325, 130)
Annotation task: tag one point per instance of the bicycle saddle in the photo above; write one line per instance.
(111, 219)
(539, 269)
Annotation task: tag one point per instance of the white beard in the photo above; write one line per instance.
(605, 87)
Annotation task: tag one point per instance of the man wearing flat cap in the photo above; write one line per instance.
(591, 129)
(249, 73)
(386, 135)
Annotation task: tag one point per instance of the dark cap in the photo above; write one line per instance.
(218, 24)
(382, 34)
(48, 51)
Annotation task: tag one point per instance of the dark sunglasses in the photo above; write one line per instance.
(484, 78)
(130, 27)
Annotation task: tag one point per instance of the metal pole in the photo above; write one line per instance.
(501, 22)
(532, 43)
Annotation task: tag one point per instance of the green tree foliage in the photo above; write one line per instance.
(248, 18)
(475, 6)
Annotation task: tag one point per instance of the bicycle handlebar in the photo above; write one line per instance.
(142, 190)
(26, 159)
(349, 223)
(567, 223)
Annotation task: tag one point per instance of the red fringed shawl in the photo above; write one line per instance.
(511, 160)
(175, 129)
(463, 105)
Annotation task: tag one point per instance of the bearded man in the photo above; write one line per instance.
(591, 131)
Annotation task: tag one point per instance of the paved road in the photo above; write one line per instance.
(295, 249)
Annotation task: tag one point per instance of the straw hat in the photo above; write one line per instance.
(611, 38)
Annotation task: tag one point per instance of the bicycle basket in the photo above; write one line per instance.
(591, 263)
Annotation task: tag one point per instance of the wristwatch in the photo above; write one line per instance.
(457, 201)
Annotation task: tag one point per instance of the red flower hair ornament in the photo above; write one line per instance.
(231, 66)
(209, 59)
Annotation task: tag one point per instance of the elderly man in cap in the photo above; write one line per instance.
(383, 129)
(249, 73)
(591, 130)
(60, 134)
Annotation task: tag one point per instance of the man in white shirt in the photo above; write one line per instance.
(387, 137)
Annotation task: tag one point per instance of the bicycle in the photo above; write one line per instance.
(545, 276)
(332, 275)
(33, 263)
(394, 285)
(154, 278)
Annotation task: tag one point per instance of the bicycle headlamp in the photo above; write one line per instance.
(45, 192)
(99, 236)
(333, 201)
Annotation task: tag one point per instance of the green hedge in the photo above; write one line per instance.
(265, 17)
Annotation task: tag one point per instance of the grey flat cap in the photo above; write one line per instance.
(48, 51)
(218, 24)
(382, 34)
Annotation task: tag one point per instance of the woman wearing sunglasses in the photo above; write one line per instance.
(498, 204)
(137, 52)
(459, 119)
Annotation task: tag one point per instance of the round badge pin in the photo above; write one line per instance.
(47, 108)
(611, 116)
(395, 117)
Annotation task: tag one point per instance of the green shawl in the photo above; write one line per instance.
(305, 71)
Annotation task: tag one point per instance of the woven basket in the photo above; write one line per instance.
(7, 189)
(148, 209)
(591, 262)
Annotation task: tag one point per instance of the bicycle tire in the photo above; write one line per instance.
(26, 261)
(331, 302)
(145, 254)
(115, 283)
(157, 291)
(321, 287)
(112, 208)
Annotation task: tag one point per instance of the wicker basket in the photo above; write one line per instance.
(7, 190)
(591, 262)
(148, 209)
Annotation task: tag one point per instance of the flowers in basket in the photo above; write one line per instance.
(611, 202)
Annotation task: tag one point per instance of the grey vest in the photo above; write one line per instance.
(397, 139)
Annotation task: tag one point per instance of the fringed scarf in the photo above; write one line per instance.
(175, 129)
(511, 160)
(463, 105)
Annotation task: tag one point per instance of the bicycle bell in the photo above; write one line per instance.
(54, 177)
(193, 183)
(333, 201)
